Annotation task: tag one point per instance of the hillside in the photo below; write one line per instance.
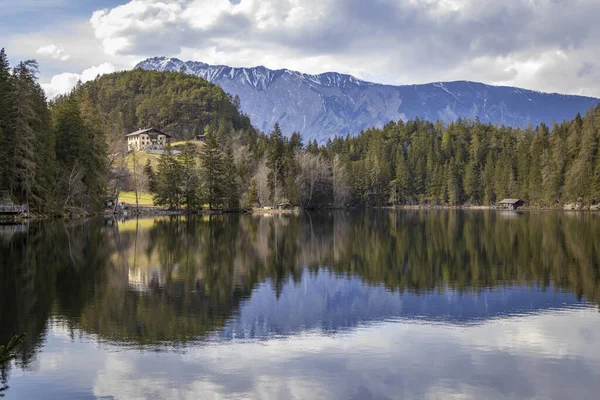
(179, 104)
(321, 106)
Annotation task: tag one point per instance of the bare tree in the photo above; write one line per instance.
(341, 183)
(261, 177)
(120, 179)
(73, 185)
(313, 179)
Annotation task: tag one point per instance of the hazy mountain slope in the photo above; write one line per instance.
(320, 106)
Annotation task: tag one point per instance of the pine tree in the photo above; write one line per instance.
(44, 151)
(169, 180)
(453, 184)
(579, 176)
(252, 194)
(489, 192)
(231, 180)
(1, 156)
(211, 159)
(535, 177)
(19, 137)
(94, 152)
(68, 127)
(7, 99)
(554, 186)
(190, 188)
(81, 150)
(150, 176)
(275, 163)
(596, 180)
(472, 183)
(401, 183)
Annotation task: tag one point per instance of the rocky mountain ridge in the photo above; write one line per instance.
(328, 104)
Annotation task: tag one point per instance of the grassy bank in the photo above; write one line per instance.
(144, 199)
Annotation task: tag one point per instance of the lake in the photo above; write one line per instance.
(332, 305)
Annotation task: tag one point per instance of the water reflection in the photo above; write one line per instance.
(331, 291)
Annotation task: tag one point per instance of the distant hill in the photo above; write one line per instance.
(179, 104)
(321, 106)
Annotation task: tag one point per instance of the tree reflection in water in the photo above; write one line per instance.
(173, 280)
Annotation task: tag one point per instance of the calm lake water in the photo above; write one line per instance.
(373, 305)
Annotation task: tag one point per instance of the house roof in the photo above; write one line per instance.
(510, 201)
(148, 130)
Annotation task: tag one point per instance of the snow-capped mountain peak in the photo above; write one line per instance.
(321, 106)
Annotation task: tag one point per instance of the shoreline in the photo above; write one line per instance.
(154, 211)
(593, 208)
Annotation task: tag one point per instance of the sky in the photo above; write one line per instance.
(545, 45)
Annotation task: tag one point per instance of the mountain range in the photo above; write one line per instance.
(329, 104)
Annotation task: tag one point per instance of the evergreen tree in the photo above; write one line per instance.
(275, 163)
(472, 183)
(489, 193)
(150, 176)
(190, 187)
(44, 150)
(68, 127)
(401, 183)
(211, 159)
(19, 137)
(252, 194)
(7, 98)
(81, 151)
(169, 181)
(231, 180)
(94, 153)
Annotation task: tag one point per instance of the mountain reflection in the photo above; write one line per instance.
(175, 280)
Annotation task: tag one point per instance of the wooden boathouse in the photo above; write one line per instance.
(8, 208)
(510, 204)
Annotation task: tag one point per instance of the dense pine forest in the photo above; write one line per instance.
(419, 162)
(412, 163)
(69, 155)
(52, 156)
(180, 104)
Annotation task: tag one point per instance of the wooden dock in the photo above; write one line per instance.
(13, 209)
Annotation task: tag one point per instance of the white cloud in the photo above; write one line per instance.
(53, 52)
(388, 360)
(545, 45)
(118, 28)
(538, 44)
(63, 83)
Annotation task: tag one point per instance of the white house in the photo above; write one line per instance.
(147, 139)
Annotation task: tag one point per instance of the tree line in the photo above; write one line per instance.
(70, 154)
(467, 162)
(411, 163)
(52, 156)
(237, 170)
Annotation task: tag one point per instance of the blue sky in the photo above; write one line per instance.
(546, 45)
(22, 16)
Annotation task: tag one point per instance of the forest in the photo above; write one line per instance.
(467, 162)
(65, 156)
(68, 155)
(404, 163)
(52, 156)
